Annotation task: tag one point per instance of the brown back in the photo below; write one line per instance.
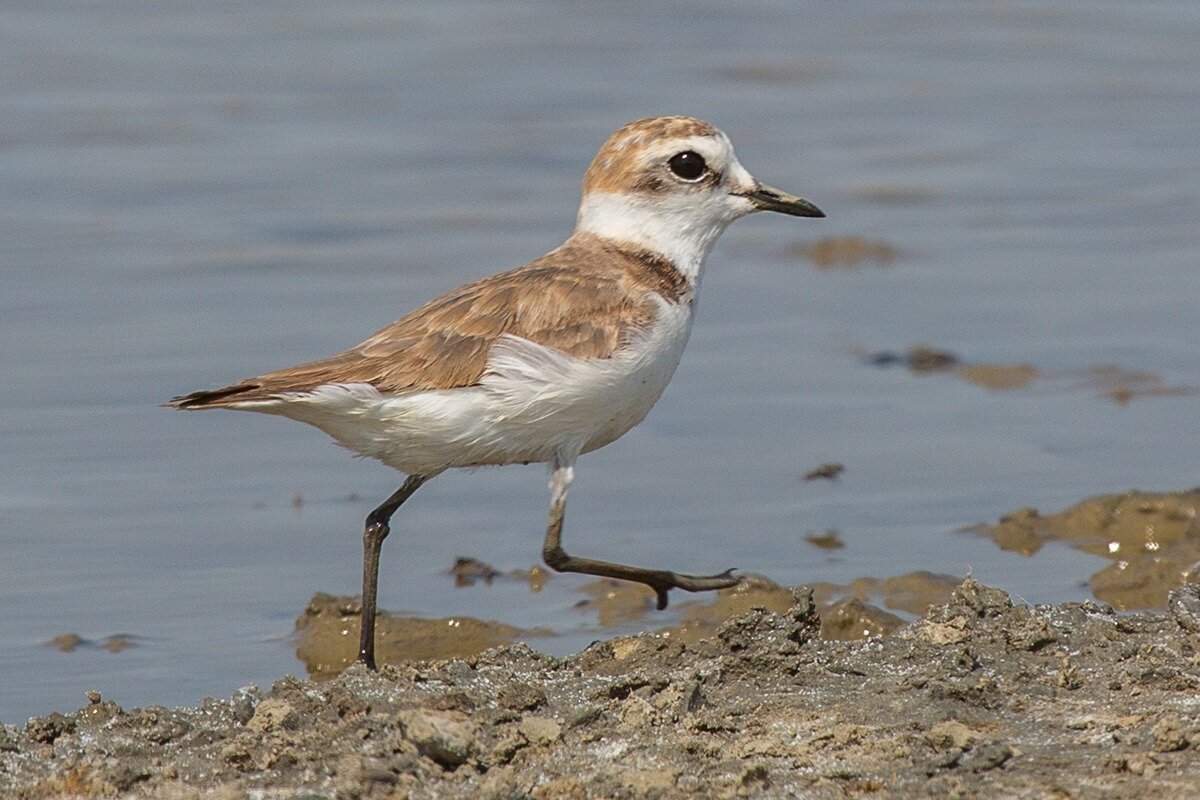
(588, 298)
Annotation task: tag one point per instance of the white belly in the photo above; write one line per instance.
(531, 402)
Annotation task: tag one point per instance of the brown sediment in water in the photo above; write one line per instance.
(119, 642)
(843, 251)
(1152, 539)
(468, 571)
(999, 377)
(327, 636)
(916, 592)
(1123, 385)
(1119, 384)
(829, 540)
(912, 592)
(980, 697)
(920, 359)
(830, 471)
(615, 602)
(70, 642)
(327, 631)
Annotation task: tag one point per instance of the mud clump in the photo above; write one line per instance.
(1152, 540)
(979, 697)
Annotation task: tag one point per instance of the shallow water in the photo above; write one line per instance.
(197, 193)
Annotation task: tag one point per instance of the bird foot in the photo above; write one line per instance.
(667, 581)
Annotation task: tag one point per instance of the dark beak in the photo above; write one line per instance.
(767, 198)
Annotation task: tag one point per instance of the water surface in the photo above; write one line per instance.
(197, 192)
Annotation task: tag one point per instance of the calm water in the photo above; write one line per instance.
(200, 192)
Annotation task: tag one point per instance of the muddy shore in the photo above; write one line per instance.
(980, 697)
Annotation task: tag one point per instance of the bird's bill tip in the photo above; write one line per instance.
(768, 198)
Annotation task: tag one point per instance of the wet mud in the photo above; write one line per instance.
(326, 633)
(978, 698)
(70, 642)
(469, 571)
(1119, 384)
(1152, 540)
(846, 611)
(327, 636)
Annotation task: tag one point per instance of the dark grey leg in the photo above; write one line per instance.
(661, 581)
(374, 532)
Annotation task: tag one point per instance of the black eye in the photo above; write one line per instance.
(688, 165)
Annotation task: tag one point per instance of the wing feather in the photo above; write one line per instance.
(586, 299)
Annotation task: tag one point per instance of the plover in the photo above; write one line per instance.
(542, 363)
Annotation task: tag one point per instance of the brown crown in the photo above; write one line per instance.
(616, 169)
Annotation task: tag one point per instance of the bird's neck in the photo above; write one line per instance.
(675, 234)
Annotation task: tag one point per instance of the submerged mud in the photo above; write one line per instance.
(326, 632)
(1121, 385)
(846, 252)
(978, 698)
(327, 636)
(1151, 538)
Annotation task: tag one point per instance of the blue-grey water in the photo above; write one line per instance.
(195, 192)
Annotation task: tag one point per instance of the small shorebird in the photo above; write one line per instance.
(544, 362)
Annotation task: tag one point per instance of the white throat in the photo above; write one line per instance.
(680, 234)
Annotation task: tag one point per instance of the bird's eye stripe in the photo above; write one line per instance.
(688, 165)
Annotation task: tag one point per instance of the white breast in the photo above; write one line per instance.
(531, 402)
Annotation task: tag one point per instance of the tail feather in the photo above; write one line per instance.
(215, 398)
